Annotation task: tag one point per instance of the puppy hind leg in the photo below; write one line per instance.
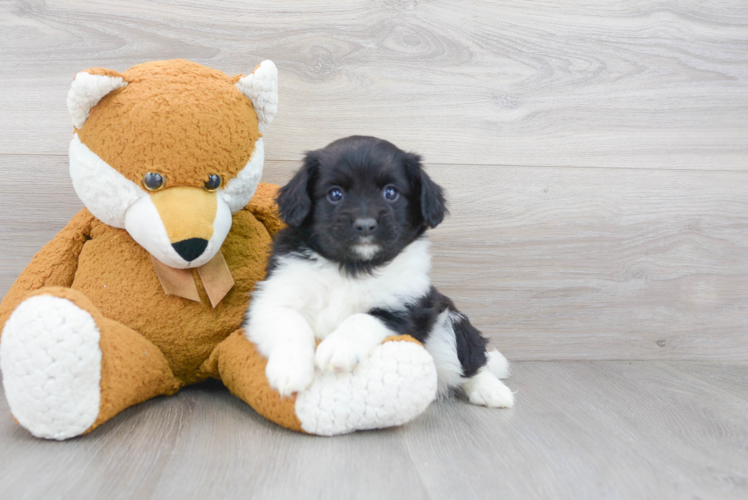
(442, 346)
(485, 389)
(497, 364)
(479, 369)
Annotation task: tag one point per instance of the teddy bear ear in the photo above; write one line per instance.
(261, 87)
(87, 89)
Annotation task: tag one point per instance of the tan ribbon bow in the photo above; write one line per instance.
(215, 275)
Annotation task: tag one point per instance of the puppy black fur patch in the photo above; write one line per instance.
(417, 320)
(353, 180)
(361, 168)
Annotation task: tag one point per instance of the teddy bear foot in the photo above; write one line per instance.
(390, 387)
(51, 363)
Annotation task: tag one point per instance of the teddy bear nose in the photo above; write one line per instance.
(190, 249)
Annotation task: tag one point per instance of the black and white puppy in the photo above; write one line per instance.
(352, 268)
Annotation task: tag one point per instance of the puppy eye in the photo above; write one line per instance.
(153, 181)
(214, 182)
(390, 193)
(335, 195)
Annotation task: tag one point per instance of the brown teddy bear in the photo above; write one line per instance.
(145, 290)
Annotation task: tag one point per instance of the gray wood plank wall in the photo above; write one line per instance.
(595, 153)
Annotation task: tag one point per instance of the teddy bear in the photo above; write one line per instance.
(146, 289)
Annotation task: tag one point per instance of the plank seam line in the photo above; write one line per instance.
(494, 165)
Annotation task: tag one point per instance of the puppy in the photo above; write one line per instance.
(352, 268)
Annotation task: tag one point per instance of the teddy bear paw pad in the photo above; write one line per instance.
(390, 387)
(51, 364)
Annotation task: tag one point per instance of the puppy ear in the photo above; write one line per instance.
(433, 204)
(294, 200)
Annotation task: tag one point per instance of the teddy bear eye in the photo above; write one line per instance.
(214, 182)
(335, 195)
(390, 193)
(153, 181)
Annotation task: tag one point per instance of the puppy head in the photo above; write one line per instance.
(360, 201)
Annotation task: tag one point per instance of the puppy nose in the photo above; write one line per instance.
(365, 226)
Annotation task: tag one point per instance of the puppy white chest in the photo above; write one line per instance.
(325, 296)
(338, 298)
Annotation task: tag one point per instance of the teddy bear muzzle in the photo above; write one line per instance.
(182, 227)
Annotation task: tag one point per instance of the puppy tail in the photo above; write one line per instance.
(497, 364)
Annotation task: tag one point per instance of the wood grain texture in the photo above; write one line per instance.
(634, 84)
(595, 157)
(587, 430)
(725, 376)
(596, 263)
(557, 263)
(620, 430)
(594, 152)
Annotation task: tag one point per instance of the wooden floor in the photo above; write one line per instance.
(581, 430)
(595, 155)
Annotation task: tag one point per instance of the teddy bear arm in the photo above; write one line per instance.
(263, 207)
(54, 265)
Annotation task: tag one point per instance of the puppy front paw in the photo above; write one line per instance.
(341, 351)
(485, 389)
(289, 372)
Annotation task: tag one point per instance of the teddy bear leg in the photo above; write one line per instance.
(67, 369)
(392, 386)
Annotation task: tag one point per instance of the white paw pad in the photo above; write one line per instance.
(51, 363)
(389, 387)
(485, 389)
